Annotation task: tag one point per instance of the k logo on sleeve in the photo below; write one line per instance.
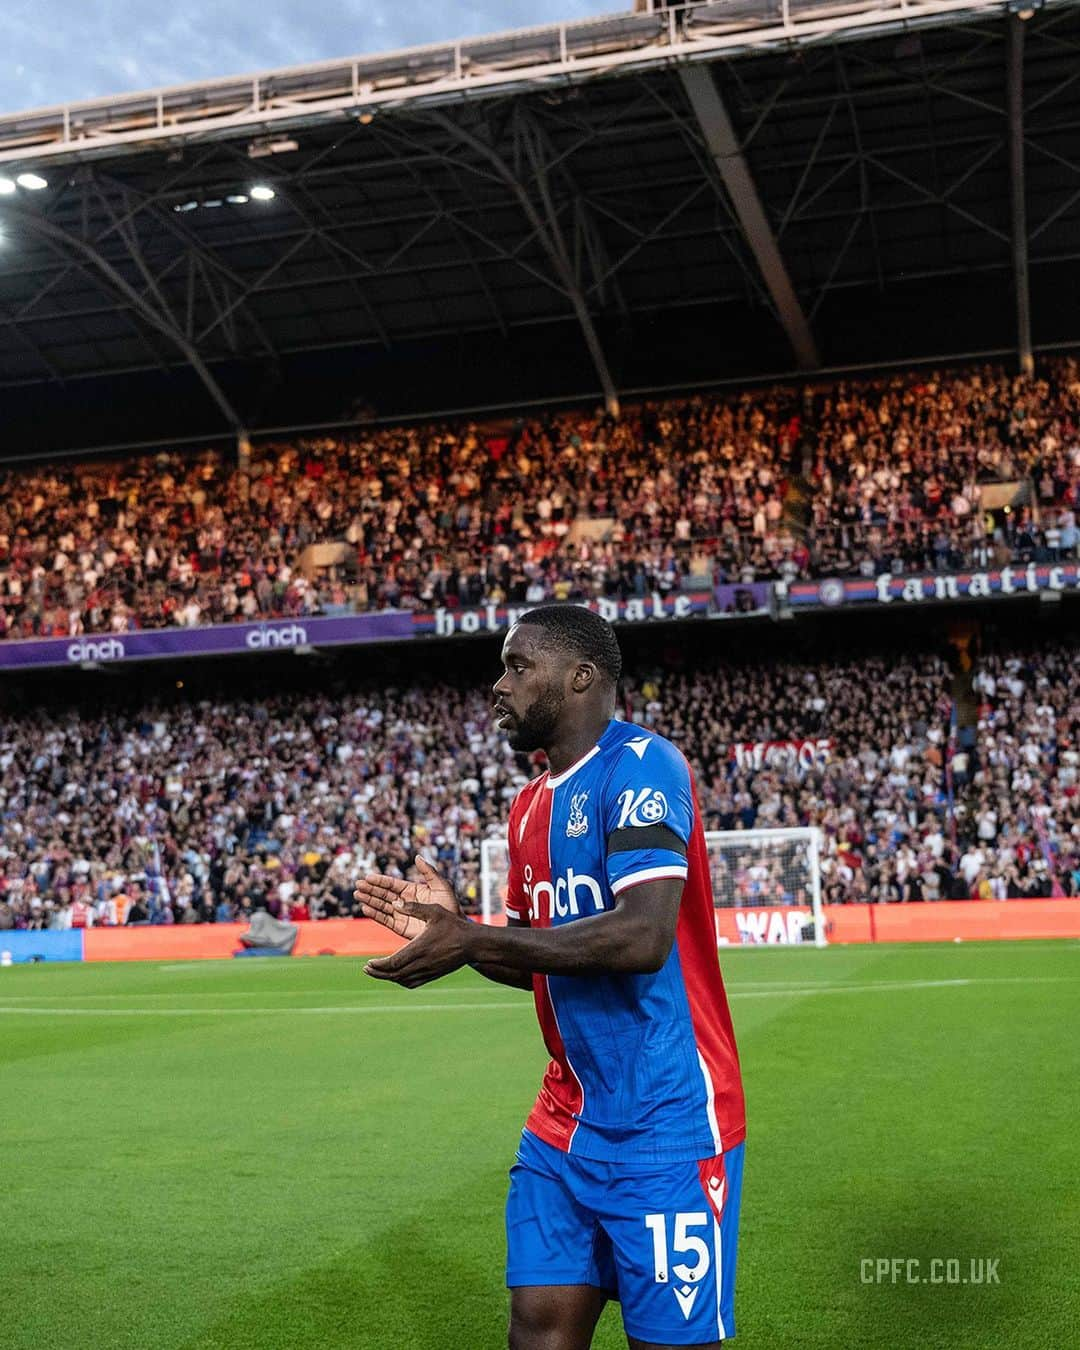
(646, 806)
(648, 814)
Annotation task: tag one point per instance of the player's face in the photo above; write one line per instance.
(530, 695)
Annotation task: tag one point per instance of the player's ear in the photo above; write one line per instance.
(583, 677)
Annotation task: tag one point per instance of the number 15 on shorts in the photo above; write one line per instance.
(680, 1241)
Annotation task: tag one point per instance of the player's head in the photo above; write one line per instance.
(560, 662)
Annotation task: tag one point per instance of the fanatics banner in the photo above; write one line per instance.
(929, 587)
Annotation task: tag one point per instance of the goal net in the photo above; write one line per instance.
(766, 885)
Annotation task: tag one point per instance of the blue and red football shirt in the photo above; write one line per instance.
(643, 1067)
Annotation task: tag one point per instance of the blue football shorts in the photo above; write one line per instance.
(659, 1239)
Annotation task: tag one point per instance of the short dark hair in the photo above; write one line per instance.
(580, 632)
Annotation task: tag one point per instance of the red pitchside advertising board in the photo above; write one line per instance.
(942, 921)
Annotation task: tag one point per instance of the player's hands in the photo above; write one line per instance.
(376, 896)
(441, 946)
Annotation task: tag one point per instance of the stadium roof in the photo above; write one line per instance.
(656, 198)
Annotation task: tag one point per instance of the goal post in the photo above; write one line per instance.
(494, 874)
(766, 885)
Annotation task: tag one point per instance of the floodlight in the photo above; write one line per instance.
(262, 193)
(31, 181)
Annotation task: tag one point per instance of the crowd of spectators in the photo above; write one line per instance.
(203, 811)
(898, 469)
(765, 484)
(910, 807)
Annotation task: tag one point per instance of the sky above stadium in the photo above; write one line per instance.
(59, 51)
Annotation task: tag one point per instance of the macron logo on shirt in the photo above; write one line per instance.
(639, 745)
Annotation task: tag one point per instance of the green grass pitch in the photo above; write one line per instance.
(272, 1155)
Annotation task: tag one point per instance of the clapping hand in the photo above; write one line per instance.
(377, 894)
(427, 914)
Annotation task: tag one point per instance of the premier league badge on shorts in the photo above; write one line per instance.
(578, 823)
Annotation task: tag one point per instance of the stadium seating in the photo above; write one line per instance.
(764, 484)
(203, 811)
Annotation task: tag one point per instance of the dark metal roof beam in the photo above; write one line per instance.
(704, 230)
(589, 133)
(462, 241)
(131, 243)
(649, 236)
(927, 195)
(723, 147)
(866, 208)
(221, 306)
(1014, 89)
(210, 264)
(121, 225)
(588, 238)
(756, 291)
(251, 287)
(510, 255)
(702, 299)
(331, 247)
(337, 252)
(83, 179)
(506, 255)
(1066, 206)
(53, 371)
(548, 233)
(807, 168)
(554, 241)
(668, 182)
(85, 253)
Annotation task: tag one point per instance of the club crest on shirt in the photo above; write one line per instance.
(578, 822)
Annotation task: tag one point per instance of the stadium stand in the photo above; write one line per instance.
(206, 810)
(844, 479)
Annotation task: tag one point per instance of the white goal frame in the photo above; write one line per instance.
(493, 850)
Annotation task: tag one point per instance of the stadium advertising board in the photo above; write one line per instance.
(18, 946)
(186, 942)
(764, 927)
(213, 640)
(887, 589)
(301, 634)
(941, 921)
(944, 921)
(498, 618)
